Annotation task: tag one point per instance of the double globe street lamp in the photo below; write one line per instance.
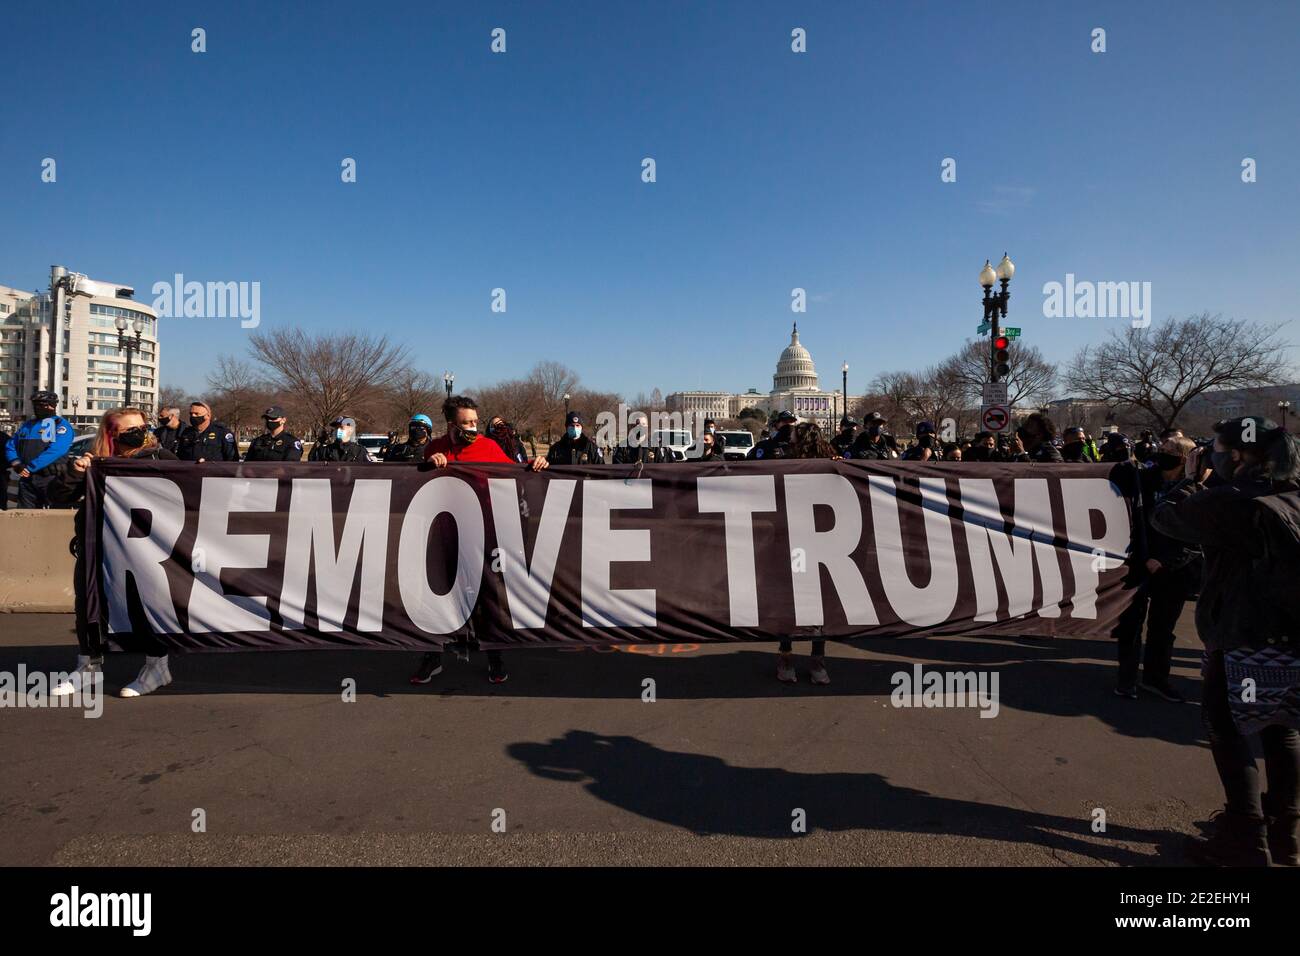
(128, 345)
(995, 310)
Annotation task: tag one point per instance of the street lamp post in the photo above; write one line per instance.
(128, 345)
(1284, 406)
(448, 379)
(844, 386)
(995, 303)
(567, 396)
(76, 403)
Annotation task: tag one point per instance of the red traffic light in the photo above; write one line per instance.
(1001, 342)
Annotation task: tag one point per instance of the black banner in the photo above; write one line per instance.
(231, 556)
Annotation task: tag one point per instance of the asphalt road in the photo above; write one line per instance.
(582, 771)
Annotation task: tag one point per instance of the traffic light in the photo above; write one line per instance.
(1001, 356)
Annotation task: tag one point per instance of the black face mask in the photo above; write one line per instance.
(874, 430)
(43, 411)
(197, 420)
(131, 438)
(272, 425)
(417, 435)
(465, 436)
(1167, 462)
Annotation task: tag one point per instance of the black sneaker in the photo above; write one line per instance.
(497, 672)
(1165, 691)
(1127, 690)
(430, 667)
(1235, 841)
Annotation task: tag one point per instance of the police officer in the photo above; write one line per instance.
(38, 445)
(342, 447)
(778, 444)
(169, 428)
(637, 449)
(843, 441)
(204, 439)
(575, 448)
(926, 448)
(418, 432)
(277, 443)
(873, 444)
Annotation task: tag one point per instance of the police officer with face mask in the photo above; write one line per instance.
(39, 444)
(843, 441)
(277, 443)
(204, 439)
(778, 443)
(873, 444)
(418, 432)
(341, 447)
(575, 448)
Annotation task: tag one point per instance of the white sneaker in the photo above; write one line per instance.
(87, 668)
(785, 672)
(153, 675)
(818, 671)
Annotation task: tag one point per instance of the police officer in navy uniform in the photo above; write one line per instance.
(277, 443)
(204, 439)
(637, 448)
(873, 442)
(778, 445)
(343, 447)
(843, 441)
(40, 443)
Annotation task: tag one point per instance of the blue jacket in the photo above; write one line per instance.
(40, 442)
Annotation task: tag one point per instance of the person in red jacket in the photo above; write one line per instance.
(464, 443)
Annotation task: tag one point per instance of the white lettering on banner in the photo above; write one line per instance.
(1082, 497)
(1015, 553)
(142, 557)
(933, 603)
(738, 498)
(210, 608)
(831, 549)
(528, 586)
(602, 546)
(429, 611)
(311, 549)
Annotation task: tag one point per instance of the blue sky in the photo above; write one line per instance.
(775, 170)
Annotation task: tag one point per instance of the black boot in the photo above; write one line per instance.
(1283, 843)
(1237, 841)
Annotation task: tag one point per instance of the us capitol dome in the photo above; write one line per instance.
(795, 389)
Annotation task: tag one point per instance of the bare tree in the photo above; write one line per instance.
(519, 401)
(331, 374)
(410, 392)
(238, 394)
(1160, 369)
(1030, 379)
(173, 396)
(553, 381)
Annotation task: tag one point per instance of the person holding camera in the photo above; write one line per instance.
(1240, 501)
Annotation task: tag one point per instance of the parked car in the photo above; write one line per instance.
(735, 445)
(374, 444)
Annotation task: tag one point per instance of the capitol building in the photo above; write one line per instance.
(794, 388)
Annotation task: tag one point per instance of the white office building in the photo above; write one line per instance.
(66, 339)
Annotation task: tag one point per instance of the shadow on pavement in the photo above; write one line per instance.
(708, 796)
(1036, 676)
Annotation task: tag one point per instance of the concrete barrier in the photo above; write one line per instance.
(35, 563)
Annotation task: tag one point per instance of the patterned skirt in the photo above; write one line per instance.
(1263, 687)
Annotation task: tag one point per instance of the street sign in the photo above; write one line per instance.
(995, 418)
(982, 328)
(995, 393)
(1011, 333)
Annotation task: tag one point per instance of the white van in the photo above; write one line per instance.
(735, 445)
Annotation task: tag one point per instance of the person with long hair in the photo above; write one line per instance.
(503, 433)
(806, 441)
(1242, 507)
(123, 433)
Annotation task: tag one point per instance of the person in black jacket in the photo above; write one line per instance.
(123, 433)
(1244, 513)
(1033, 440)
(205, 439)
(843, 441)
(169, 428)
(777, 444)
(873, 442)
(419, 432)
(341, 447)
(277, 443)
(576, 447)
(637, 448)
(1160, 568)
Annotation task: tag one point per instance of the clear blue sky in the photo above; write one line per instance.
(775, 170)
